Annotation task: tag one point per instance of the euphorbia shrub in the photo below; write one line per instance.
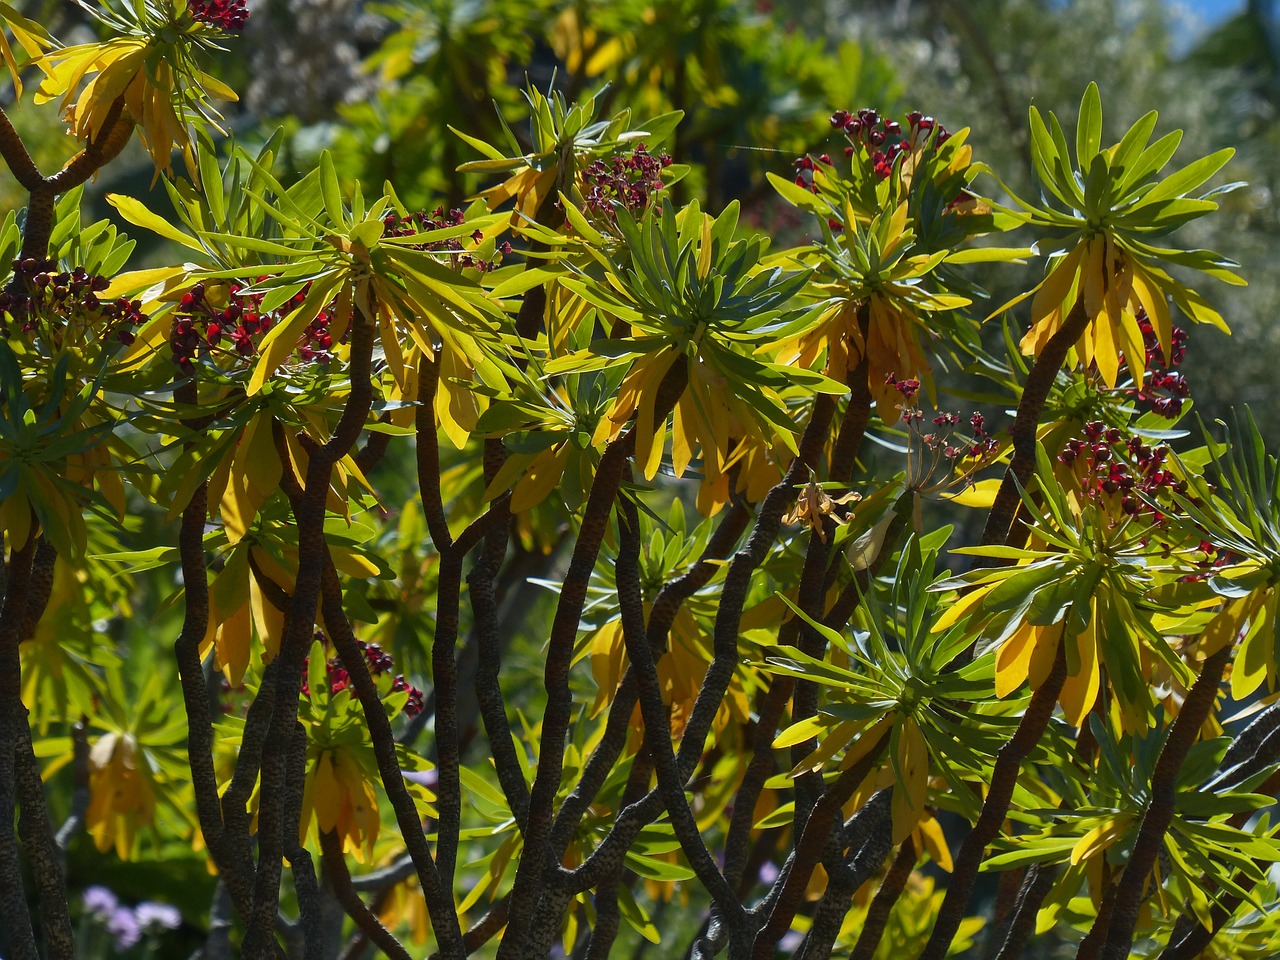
(759, 701)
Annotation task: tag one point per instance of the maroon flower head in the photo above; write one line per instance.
(228, 15)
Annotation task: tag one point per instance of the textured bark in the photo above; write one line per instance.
(564, 628)
(13, 724)
(1003, 780)
(818, 829)
(1036, 885)
(335, 868)
(891, 887)
(1160, 810)
(1023, 434)
(868, 834)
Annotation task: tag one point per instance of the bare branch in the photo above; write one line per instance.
(335, 867)
(564, 628)
(1004, 778)
(1160, 809)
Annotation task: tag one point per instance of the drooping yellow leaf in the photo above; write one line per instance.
(1044, 653)
(1253, 663)
(1081, 689)
(1014, 659)
(544, 473)
(1101, 837)
(913, 766)
(935, 842)
(981, 494)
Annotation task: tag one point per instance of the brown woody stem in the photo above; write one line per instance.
(657, 729)
(824, 818)
(555, 724)
(16, 156)
(891, 887)
(1027, 421)
(1036, 885)
(1003, 780)
(13, 716)
(1160, 810)
(335, 868)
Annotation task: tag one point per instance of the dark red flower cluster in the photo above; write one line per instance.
(394, 225)
(908, 388)
(43, 294)
(630, 181)
(953, 444)
(1162, 386)
(1110, 464)
(1212, 557)
(234, 329)
(379, 661)
(229, 15)
(804, 167)
(947, 439)
(884, 139)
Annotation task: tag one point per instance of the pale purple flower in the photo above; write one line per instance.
(161, 916)
(99, 901)
(123, 926)
(791, 941)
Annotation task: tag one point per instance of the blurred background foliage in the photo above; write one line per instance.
(380, 82)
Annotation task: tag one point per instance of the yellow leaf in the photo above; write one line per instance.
(15, 516)
(1055, 287)
(1044, 654)
(1154, 303)
(1253, 662)
(544, 473)
(1105, 351)
(1101, 837)
(981, 494)
(799, 732)
(255, 472)
(1014, 658)
(1081, 690)
(231, 643)
(608, 55)
(961, 608)
(651, 435)
(835, 739)
(868, 739)
(913, 766)
(935, 842)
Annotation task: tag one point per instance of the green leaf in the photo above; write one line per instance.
(331, 190)
(1152, 159)
(1131, 145)
(493, 153)
(660, 870)
(798, 196)
(1188, 178)
(1089, 127)
(136, 212)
